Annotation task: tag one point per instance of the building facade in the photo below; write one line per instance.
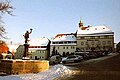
(63, 44)
(19, 52)
(39, 49)
(96, 38)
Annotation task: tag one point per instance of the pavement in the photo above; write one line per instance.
(104, 68)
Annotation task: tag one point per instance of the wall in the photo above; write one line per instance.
(23, 66)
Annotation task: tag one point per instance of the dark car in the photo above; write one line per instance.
(92, 55)
(83, 54)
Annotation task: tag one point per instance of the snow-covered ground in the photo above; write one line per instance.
(54, 72)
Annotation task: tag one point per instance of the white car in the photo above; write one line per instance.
(72, 58)
(55, 59)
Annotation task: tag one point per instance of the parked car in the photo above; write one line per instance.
(72, 58)
(84, 55)
(55, 59)
(92, 55)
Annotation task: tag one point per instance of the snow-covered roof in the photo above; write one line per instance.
(94, 30)
(39, 42)
(64, 37)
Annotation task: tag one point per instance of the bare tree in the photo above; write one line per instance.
(5, 7)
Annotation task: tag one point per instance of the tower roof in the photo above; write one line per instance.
(81, 21)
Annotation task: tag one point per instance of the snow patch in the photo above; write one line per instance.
(54, 72)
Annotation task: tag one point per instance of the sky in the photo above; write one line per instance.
(50, 17)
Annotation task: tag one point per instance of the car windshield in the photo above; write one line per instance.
(71, 57)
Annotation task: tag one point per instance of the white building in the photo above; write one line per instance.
(19, 52)
(63, 44)
(39, 49)
(98, 38)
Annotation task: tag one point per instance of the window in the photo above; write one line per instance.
(58, 47)
(69, 41)
(104, 43)
(99, 37)
(66, 47)
(109, 42)
(65, 42)
(63, 47)
(72, 36)
(53, 42)
(75, 41)
(82, 37)
(73, 47)
(60, 42)
(106, 36)
(92, 42)
(92, 37)
(87, 48)
(86, 43)
(35, 57)
(99, 42)
(82, 43)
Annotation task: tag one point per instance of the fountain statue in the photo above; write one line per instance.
(26, 45)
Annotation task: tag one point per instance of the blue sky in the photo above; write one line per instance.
(50, 17)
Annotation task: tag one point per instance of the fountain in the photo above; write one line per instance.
(24, 65)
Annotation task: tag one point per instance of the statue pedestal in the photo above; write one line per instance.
(25, 55)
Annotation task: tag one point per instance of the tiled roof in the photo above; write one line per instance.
(64, 37)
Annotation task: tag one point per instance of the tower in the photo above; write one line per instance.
(81, 24)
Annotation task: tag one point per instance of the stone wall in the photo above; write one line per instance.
(23, 66)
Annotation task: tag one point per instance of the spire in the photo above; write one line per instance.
(81, 23)
(80, 19)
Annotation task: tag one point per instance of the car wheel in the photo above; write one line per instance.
(64, 62)
(54, 63)
(76, 61)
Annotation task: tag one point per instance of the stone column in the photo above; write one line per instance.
(26, 46)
